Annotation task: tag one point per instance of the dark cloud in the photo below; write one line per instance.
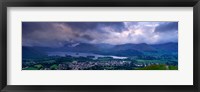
(28, 27)
(167, 26)
(85, 26)
(88, 37)
(56, 34)
(50, 32)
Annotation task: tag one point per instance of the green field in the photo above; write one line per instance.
(159, 67)
(152, 61)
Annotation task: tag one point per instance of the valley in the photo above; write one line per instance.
(85, 56)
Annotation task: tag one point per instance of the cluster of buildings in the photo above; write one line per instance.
(86, 65)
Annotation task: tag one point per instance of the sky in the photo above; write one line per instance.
(58, 34)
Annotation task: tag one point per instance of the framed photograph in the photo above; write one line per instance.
(85, 45)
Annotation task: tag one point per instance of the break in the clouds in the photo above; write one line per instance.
(58, 34)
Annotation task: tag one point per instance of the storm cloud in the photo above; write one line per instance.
(57, 34)
(167, 26)
(84, 26)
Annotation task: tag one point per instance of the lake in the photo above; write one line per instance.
(75, 54)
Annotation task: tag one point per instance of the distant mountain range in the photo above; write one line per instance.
(31, 52)
(104, 49)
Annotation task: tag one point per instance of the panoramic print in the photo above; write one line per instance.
(100, 45)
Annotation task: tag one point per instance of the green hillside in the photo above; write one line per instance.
(159, 67)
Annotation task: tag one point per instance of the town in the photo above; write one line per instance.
(101, 63)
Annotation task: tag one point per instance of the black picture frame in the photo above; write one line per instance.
(98, 3)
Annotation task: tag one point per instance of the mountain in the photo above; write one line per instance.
(105, 49)
(84, 47)
(29, 52)
(168, 47)
(143, 47)
(104, 46)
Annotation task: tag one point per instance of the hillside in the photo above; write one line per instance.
(105, 49)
